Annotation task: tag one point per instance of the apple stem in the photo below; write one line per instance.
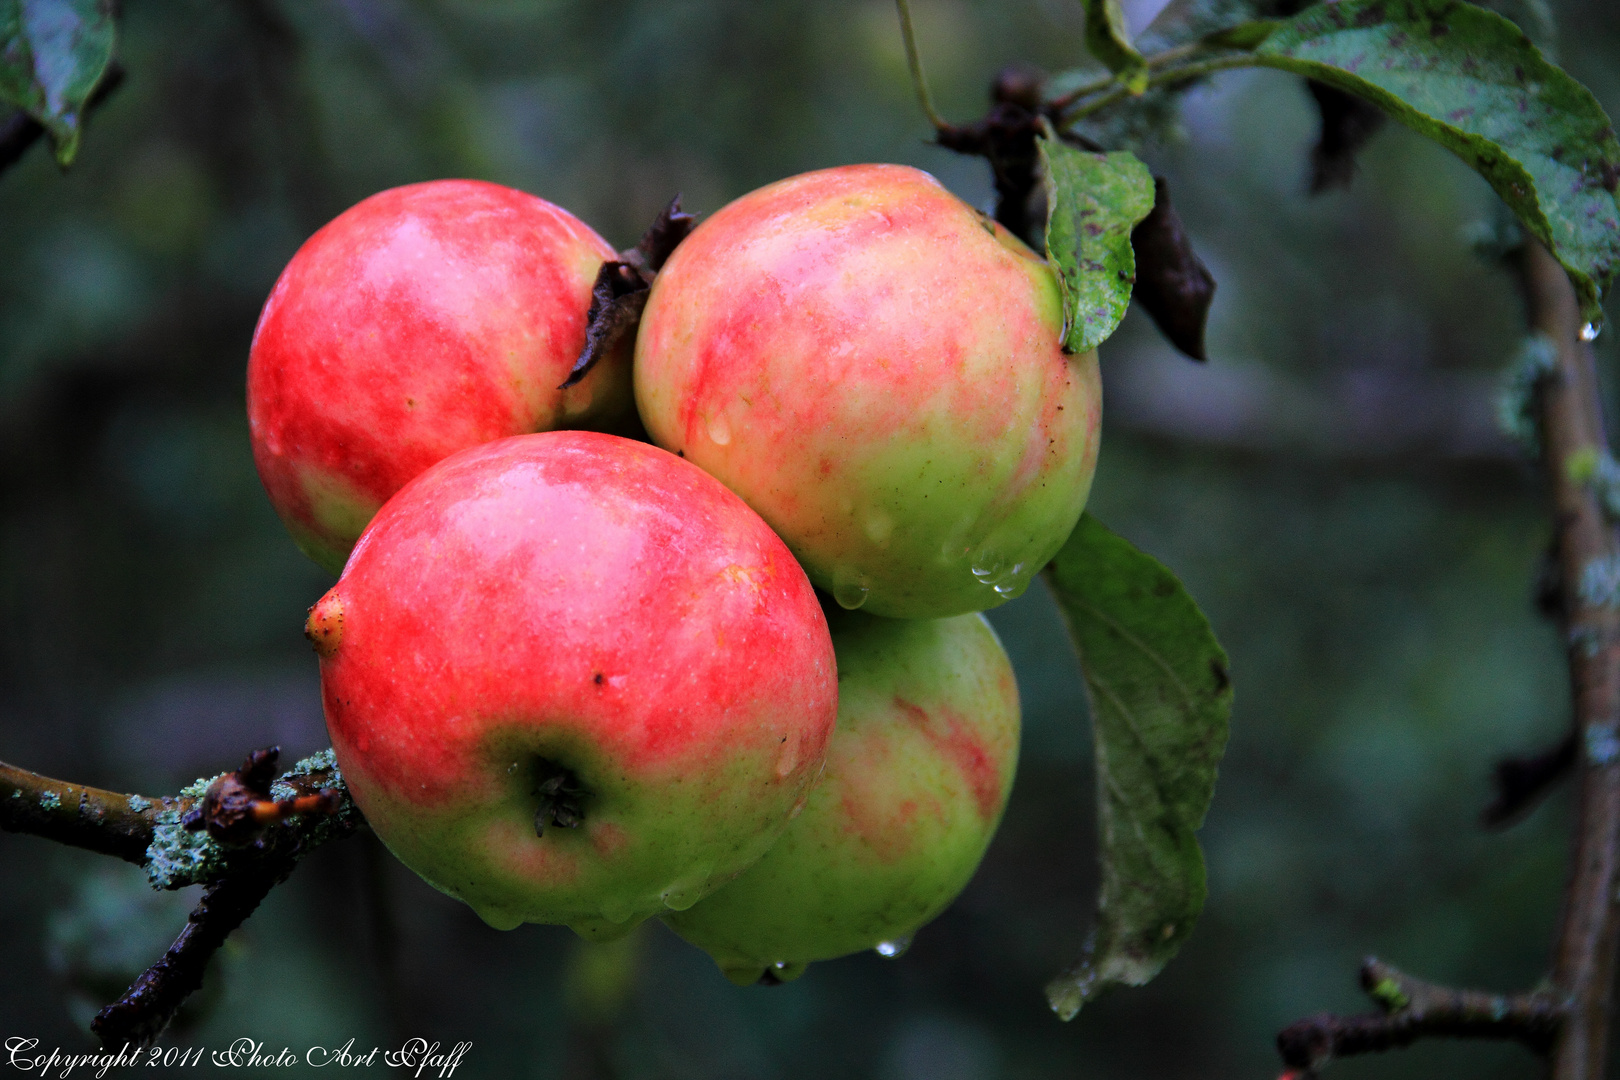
(914, 62)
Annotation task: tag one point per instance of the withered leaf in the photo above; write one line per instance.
(1172, 282)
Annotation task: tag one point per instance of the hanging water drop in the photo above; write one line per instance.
(894, 949)
(848, 589)
(1011, 584)
(989, 567)
(719, 431)
(1591, 330)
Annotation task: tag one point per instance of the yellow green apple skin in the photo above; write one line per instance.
(876, 368)
(918, 772)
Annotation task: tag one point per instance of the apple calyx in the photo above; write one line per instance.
(324, 627)
(562, 797)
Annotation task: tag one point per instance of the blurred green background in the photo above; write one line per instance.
(1332, 488)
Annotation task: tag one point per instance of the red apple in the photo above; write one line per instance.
(571, 678)
(876, 368)
(423, 320)
(917, 776)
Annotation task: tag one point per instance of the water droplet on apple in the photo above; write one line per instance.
(848, 589)
(893, 950)
(683, 894)
(616, 910)
(789, 758)
(498, 917)
(1013, 584)
(742, 973)
(719, 430)
(1591, 330)
(784, 971)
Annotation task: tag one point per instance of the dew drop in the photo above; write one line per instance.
(1590, 331)
(719, 431)
(788, 759)
(991, 568)
(894, 949)
(688, 890)
(615, 910)
(680, 899)
(1012, 583)
(848, 589)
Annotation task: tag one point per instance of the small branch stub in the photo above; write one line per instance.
(1414, 1009)
(237, 805)
(1522, 782)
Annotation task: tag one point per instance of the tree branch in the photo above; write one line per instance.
(1571, 424)
(101, 821)
(240, 833)
(1414, 1009)
(146, 1008)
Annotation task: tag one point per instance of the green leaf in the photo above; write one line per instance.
(53, 53)
(1107, 41)
(1093, 202)
(1160, 699)
(1470, 80)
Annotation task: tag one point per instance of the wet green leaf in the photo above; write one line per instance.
(53, 53)
(1107, 41)
(1160, 700)
(1470, 80)
(1093, 201)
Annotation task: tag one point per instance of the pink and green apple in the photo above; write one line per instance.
(877, 369)
(423, 320)
(570, 678)
(917, 776)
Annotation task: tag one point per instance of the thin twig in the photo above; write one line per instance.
(1521, 782)
(86, 817)
(1056, 106)
(1415, 1009)
(1174, 75)
(1571, 423)
(146, 1008)
(914, 61)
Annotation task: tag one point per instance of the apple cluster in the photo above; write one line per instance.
(696, 635)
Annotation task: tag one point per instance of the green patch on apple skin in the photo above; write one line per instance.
(647, 843)
(940, 527)
(918, 773)
(338, 512)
